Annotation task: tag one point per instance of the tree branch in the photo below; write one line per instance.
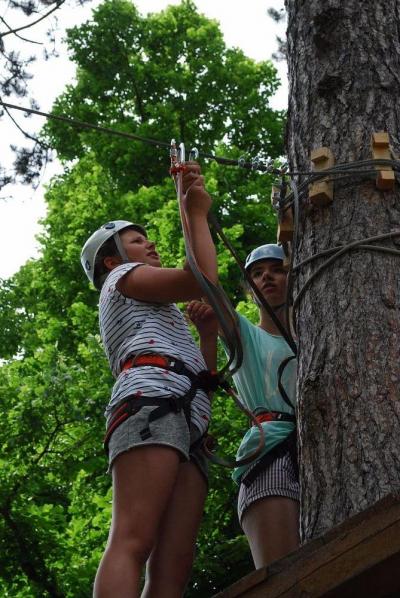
(58, 4)
(24, 39)
(27, 135)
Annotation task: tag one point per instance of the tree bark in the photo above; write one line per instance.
(344, 76)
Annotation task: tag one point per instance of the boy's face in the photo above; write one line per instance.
(139, 249)
(270, 278)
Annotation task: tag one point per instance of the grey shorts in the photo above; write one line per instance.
(169, 430)
(278, 479)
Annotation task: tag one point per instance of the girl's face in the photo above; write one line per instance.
(270, 278)
(139, 249)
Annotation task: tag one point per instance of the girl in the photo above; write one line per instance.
(269, 489)
(158, 411)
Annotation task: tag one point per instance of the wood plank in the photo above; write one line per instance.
(360, 557)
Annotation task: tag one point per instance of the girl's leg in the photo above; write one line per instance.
(271, 525)
(170, 563)
(143, 480)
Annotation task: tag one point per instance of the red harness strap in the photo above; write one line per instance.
(270, 416)
(153, 360)
(207, 380)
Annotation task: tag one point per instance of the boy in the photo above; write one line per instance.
(269, 490)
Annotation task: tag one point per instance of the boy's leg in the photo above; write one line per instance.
(143, 480)
(271, 525)
(170, 563)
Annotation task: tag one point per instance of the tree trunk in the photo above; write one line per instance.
(344, 74)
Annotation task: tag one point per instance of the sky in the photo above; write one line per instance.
(244, 24)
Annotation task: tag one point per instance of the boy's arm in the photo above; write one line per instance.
(203, 317)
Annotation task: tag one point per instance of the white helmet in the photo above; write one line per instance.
(264, 252)
(97, 240)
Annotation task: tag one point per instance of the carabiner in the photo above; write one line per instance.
(193, 154)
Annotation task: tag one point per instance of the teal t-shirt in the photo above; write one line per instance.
(257, 384)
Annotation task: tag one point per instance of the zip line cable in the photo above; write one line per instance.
(84, 125)
(257, 165)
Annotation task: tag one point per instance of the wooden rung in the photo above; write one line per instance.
(286, 262)
(285, 217)
(380, 143)
(285, 226)
(321, 192)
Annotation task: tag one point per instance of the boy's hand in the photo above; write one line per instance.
(203, 317)
(197, 199)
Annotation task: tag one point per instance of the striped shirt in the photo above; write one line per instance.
(131, 327)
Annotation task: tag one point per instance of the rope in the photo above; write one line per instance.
(227, 320)
(341, 251)
(292, 200)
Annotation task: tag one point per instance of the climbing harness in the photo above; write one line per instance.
(130, 405)
(289, 445)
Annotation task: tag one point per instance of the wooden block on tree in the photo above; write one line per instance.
(321, 192)
(358, 559)
(381, 151)
(285, 217)
(285, 226)
(286, 262)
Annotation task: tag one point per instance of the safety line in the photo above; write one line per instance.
(85, 125)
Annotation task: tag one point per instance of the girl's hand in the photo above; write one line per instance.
(203, 317)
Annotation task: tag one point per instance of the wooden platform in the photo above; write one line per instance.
(358, 559)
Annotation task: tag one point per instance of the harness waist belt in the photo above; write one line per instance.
(206, 380)
(270, 416)
(160, 361)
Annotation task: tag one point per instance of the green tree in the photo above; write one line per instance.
(167, 75)
(162, 76)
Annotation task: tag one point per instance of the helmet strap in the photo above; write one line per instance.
(278, 307)
(274, 308)
(121, 250)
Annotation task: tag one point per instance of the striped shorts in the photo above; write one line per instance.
(278, 479)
